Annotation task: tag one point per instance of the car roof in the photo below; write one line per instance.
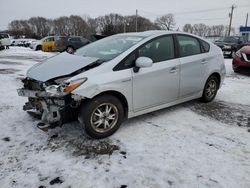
(148, 33)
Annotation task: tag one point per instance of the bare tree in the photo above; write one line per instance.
(166, 22)
(188, 28)
(200, 29)
(143, 24)
(110, 24)
(40, 26)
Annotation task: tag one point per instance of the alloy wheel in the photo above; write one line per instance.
(211, 89)
(70, 50)
(104, 117)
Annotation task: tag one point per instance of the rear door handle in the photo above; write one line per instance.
(173, 70)
(204, 61)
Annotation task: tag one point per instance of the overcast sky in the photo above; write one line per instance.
(185, 11)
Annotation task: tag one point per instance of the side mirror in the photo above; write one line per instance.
(142, 62)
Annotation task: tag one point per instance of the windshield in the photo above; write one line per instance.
(229, 39)
(108, 48)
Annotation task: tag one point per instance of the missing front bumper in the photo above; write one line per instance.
(54, 109)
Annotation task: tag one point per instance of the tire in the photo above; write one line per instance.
(210, 89)
(237, 70)
(232, 53)
(101, 116)
(39, 47)
(70, 50)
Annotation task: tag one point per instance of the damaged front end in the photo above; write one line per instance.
(55, 102)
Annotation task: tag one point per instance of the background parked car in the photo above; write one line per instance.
(231, 44)
(73, 43)
(28, 43)
(241, 59)
(62, 43)
(37, 45)
(4, 40)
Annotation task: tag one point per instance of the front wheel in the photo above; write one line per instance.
(39, 47)
(210, 89)
(101, 116)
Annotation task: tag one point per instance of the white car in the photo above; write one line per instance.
(36, 45)
(5, 40)
(123, 76)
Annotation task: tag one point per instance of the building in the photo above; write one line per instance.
(245, 31)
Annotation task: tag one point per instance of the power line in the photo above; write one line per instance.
(225, 18)
(196, 11)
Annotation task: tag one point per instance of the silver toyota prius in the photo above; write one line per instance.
(123, 76)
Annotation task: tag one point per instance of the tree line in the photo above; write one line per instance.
(205, 30)
(39, 27)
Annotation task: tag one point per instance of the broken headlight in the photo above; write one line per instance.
(65, 87)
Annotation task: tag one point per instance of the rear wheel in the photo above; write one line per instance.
(102, 116)
(236, 70)
(210, 89)
(70, 50)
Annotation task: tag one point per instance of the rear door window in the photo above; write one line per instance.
(75, 39)
(188, 45)
(158, 50)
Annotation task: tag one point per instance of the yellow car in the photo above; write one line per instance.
(53, 44)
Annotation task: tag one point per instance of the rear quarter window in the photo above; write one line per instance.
(205, 47)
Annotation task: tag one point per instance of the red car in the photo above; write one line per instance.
(241, 59)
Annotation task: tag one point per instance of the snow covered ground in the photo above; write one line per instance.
(190, 145)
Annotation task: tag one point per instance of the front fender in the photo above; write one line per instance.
(90, 90)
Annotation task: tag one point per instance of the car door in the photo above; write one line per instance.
(48, 44)
(158, 84)
(76, 42)
(193, 65)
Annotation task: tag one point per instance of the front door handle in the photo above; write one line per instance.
(173, 70)
(204, 61)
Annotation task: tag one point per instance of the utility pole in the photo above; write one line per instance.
(124, 26)
(231, 17)
(246, 20)
(136, 15)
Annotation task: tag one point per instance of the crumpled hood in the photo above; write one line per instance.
(59, 65)
(245, 50)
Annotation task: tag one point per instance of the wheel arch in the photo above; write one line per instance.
(217, 75)
(70, 46)
(39, 47)
(118, 95)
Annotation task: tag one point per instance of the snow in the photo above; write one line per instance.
(236, 88)
(174, 147)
